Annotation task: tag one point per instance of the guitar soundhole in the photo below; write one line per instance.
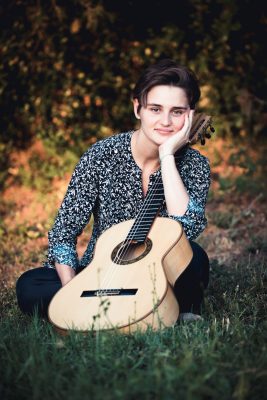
(130, 252)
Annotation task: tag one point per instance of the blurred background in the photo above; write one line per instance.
(66, 75)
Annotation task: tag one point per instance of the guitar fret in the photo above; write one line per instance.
(144, 232)
(147, 217)
(144, 223)
(138, 236)
(140, 230)
(135, 234)
(155, 196)
(152, 207)
(147, 214)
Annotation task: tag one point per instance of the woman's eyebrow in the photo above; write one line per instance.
(175, 107)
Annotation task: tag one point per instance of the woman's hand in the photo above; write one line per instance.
(65, 273)
(179, 139)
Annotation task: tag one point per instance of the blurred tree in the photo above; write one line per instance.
(68, 68)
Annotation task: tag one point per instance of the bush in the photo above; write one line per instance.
(68, 68)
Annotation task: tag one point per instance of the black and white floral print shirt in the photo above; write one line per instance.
(107, 183)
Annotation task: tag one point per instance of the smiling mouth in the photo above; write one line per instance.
(164, 131)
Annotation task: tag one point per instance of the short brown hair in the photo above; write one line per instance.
(167, 72)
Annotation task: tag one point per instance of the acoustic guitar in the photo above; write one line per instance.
(128, 284)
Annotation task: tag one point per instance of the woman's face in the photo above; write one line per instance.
(164, 114)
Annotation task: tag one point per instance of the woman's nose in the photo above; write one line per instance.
(165, 119)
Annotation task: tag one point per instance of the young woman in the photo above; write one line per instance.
(112, 179)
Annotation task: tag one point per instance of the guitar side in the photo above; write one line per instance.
(134, 295)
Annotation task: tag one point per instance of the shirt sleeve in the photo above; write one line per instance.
(74, 214)
(196, 178)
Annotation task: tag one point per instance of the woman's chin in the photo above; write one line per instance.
(163, 138)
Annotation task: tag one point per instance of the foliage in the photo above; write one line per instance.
(68, 68)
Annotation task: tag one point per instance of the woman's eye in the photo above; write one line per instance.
(177, 113)
(154, 109)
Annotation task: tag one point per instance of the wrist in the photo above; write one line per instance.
(65, 273)
(65, 280)
(165, 156)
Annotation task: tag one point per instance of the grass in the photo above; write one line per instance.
(222, 357)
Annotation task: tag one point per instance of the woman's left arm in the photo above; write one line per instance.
(185, 191)
(195, 175)
(173, 185)
(176, 195)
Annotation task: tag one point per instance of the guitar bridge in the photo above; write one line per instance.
(108, 292)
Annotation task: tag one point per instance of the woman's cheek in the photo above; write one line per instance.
(180, 123)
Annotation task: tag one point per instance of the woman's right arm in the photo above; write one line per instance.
(73, 215)
(65, 273)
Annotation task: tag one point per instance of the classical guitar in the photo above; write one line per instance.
(128, 284)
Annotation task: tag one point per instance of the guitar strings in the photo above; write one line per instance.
(110, 274)
(140, 216)
(127, 242)
(158, 185)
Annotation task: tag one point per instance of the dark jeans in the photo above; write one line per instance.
(189, 287)
(36, 287)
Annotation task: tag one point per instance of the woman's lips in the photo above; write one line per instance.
(164, 131)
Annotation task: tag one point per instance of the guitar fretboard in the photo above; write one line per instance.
(148, 212)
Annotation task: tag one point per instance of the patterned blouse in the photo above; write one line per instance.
(107, 183)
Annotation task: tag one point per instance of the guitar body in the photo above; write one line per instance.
(132, 291)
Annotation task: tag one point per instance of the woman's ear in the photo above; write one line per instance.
(135, 106)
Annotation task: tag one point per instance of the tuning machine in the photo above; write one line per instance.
(206, 134)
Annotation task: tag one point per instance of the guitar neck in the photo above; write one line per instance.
(147, 213)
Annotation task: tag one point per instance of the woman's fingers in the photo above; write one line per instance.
(191, 116)
(180, 138)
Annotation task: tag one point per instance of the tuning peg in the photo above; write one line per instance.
(212, 129)
(202, 141)
(208, 135)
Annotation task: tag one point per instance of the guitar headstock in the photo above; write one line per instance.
(199, 130)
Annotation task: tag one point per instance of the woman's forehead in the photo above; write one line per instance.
(167, 95)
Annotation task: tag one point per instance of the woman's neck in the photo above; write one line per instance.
(145, 154)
